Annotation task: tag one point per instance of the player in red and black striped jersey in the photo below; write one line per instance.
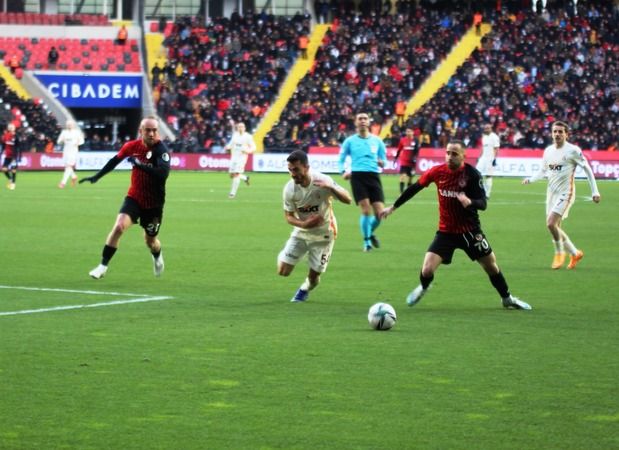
(146, 197)
(460, 196)
(11, 155)
(406, 155)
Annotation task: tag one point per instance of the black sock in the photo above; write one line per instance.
(156, 254)
(401, 186)
(8, 175)
(13, 176)
(499, 283)
(425, 282)
(108, 252)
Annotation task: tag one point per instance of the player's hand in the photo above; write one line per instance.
(463, 199)
(386, 212)
(92, 180)
(313, 221)
(526, 181)
(346, 175)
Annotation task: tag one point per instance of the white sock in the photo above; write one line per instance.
(488, 186)
(307, 286)
(558, 246)
(67, 174)
(235, 185)
(243, 177)
(567, 242)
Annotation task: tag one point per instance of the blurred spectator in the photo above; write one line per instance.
(122, 36)
(52, 57)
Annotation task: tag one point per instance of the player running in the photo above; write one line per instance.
(460, 197)
(146, 196)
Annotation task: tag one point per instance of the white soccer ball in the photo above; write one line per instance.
(382, 316)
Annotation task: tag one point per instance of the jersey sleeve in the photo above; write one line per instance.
(427, 177)
(382, 150)
(344, 152)
(287, 198)
(125, 151)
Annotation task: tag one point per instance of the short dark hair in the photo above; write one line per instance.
(560, 123)
(457, 142)
(298, 155)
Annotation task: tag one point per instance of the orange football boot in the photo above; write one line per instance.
(558, 260)
(574, 259)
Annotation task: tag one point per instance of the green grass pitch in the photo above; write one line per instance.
(214, 356)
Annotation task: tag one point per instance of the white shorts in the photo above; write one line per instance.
(485, 167)
(237, 166)
(318, 253)
(69, 158)
(559, 203)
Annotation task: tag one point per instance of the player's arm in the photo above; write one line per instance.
(536, 176)
(474, 195)
(398, 151)
(382, 154)
(161, 168)
(109, 166)
(344, 152)
(311, 221)
(405, 196)
(336, 190)
(582, 162)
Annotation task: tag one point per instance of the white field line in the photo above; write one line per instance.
(141, 298)
(72, 291)
(93, 305)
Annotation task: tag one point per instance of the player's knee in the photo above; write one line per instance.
(284, 269)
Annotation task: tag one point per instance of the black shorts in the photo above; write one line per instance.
(367, 185)
(474, 244)
(9, 163)
(150, 219)
(408, 170)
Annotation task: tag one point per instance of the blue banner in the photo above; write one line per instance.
(94, 91)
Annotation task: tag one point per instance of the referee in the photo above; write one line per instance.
(367, 155)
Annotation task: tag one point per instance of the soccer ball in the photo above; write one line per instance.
(382, 316)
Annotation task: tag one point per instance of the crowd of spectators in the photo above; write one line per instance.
(228, 70)
(533, 69)
(36, 127)
(370, 61)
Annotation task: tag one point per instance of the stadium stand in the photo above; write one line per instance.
(32, 18)
(74, 54)
(366, 62)
(534, 69)
(229, 70)
(36, 126)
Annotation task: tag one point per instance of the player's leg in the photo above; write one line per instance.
(365, 222)
(151, 223)
(291, 254)
(431, 262)
(236, 181)
(319, 254)
(490, 266)
(13, 178)
(377, 199)
(553, 223)
(65, 176)
(123, 222)
(575, 254)
(488, 185)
